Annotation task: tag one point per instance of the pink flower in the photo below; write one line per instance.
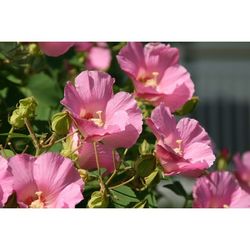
(243, 169)
(98, 55)
(156, 73)
(100, 115)
(86, 153)
(218, 190)
(182, 148)
(98, 58)
(46, 181)
(55, 48)
(6, 181)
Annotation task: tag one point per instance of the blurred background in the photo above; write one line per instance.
(221, 74)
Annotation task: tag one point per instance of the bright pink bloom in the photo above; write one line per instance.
(46, 181)
(86, 154)
(243, 169)
(156, 73)
(182, 148)
(98, 58)
(6, 181)
(55, 48)
(100, 115)
(218, 190)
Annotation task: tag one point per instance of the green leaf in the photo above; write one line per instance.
(44, 89)
(188, 107)
(123, 195)
(7, 153)
(177, 188)
(14, 79)
(145, 165)
(141, 204)
(15, 135)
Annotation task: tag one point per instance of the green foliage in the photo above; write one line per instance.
(188, 107)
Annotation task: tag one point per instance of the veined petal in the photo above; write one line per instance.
(24, 182)
(87, 158)
(95, 89)
(191, 131)
(131, 58)
(6, 181)
(53, 173)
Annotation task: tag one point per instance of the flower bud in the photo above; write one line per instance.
(26, 109)
(61, 123)
(99, 199)
(145, 148)
(84, 174)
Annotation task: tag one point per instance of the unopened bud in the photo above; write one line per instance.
(25, 109)
(84, 174)
(99, 199)
(61, 123)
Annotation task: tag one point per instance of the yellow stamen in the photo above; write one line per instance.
(38, 203)
(178, 150)
(225, 206)
(98, 121)
(153, 80)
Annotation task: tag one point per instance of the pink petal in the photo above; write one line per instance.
(87, 158)
(83, 46)
(159, 57)
(6, 181)
(55, 48)
(95, 89)
(69, 197)
(72, 101)
(243, 168)
(124, 118)
(176, 87)
(199, 152)
(216, 190)
(24, 182)
(53, 173)
(131, 58)
(99, 58)
(190, 132)
(163, 124)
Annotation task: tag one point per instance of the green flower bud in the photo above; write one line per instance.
(68, 149)
(98, 199)
(84, 174)
(145, 148)
(61, 123)
(145, 165)
(25, 109)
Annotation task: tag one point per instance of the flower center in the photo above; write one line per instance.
(150, 81)
(98, 121)
(96, 118)
(39, 202)
(178, 149)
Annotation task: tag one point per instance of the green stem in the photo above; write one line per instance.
(98, 166)
(9, 136)
(33, 136)
(115, 169)
(123, 183)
